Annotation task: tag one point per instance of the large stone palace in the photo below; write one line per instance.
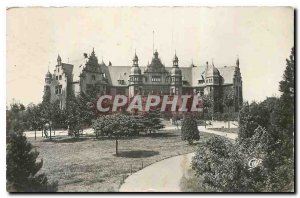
(223, 85)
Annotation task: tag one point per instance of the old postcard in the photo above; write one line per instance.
(150, 99)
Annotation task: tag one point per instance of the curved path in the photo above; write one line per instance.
(164, 176)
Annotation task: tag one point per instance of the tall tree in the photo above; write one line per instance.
(34, 117)
(287, 85)
(287, 108)
(51, 114)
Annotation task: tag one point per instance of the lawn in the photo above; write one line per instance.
(89, 164)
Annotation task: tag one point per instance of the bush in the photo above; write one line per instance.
(189, 129)
(220, 166)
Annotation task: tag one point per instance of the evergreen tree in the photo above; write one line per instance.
(286, 120)
(287, 85)
(189, 129)
(22, 168)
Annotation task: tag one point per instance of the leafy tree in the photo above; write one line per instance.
(47, 96)
(15, 119)
(152, 121)
(73, 117)
(34, 117)
(88, 113)
(51, 114)
(250, 117)
(78, 114)
(22, 168)
(207, 107)
(115, 126)
(189, 129)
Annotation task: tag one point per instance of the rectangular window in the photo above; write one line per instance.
(56, 77)
(59, 77)
(156, 79)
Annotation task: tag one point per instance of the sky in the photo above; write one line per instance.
(261, 37)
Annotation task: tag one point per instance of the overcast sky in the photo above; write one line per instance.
(261, 37)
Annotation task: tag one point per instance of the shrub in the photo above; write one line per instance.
(189, 129)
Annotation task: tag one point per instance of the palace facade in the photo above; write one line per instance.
(223, 85)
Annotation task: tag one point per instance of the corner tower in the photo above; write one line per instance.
(176, 78)
(135, 77)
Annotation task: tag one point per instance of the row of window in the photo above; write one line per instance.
(134, 78)
(156, 79)
(173, 79)
(210, 80)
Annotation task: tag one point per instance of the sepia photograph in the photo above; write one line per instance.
(150, 99)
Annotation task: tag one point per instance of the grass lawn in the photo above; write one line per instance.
(227, 130)
(89, 164)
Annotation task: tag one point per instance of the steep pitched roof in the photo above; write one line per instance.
(115, 72)
(198, 73)
(227, 72)
(190, 74)
(68, 69)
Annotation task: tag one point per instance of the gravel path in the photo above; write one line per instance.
(164, 176)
